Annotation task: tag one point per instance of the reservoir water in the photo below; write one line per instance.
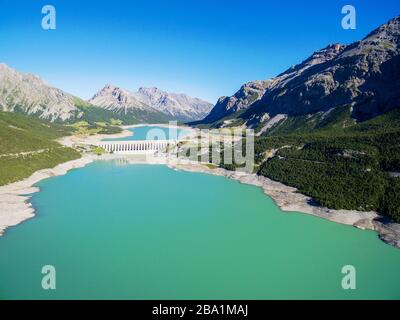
(153, 133)
(150, 232)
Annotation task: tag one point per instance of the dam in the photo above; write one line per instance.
(136, 146)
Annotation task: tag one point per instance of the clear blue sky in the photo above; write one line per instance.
(206, 48)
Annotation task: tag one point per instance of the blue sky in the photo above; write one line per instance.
(204, 48)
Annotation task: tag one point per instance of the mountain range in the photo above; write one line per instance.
(352, 83)
(170, 106)
(329, 126)
(28, 94)
(360, 80)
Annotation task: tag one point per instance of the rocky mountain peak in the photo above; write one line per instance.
(179, 107)
(329, 52)
(114, 91)
(318, 57)
(115, 98)
(150, 90)
(248, 94)
(150, 95)
(4, 67)
(29, 94)
(109, 88)
(363, 75)
(391, 29)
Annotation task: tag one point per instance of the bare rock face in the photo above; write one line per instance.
(364, 75)
(361, 73)
(117, 99)
(123, 103)
(171, 106)
(241, 100)
(29, 94)
(176, 106)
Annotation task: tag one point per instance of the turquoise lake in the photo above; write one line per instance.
(149, 232)
(153, 133)
(141, 232)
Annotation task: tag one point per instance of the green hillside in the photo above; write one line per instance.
(341, 168)
(352, 166)
(94, 114)
(27, 145)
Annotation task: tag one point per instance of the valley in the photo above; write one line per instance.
(199, 150)
(337, 143)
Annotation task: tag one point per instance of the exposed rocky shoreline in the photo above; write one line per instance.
(15, 206)
(288, 199)
(14, 198)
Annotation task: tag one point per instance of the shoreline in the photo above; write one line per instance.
(288, 199)
(16, 208)
(14, 198)
(163, 125)
(191, 131)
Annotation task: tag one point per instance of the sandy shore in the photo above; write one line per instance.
(70, 141)
(289, 200)
(15, 206)
(14, 197)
